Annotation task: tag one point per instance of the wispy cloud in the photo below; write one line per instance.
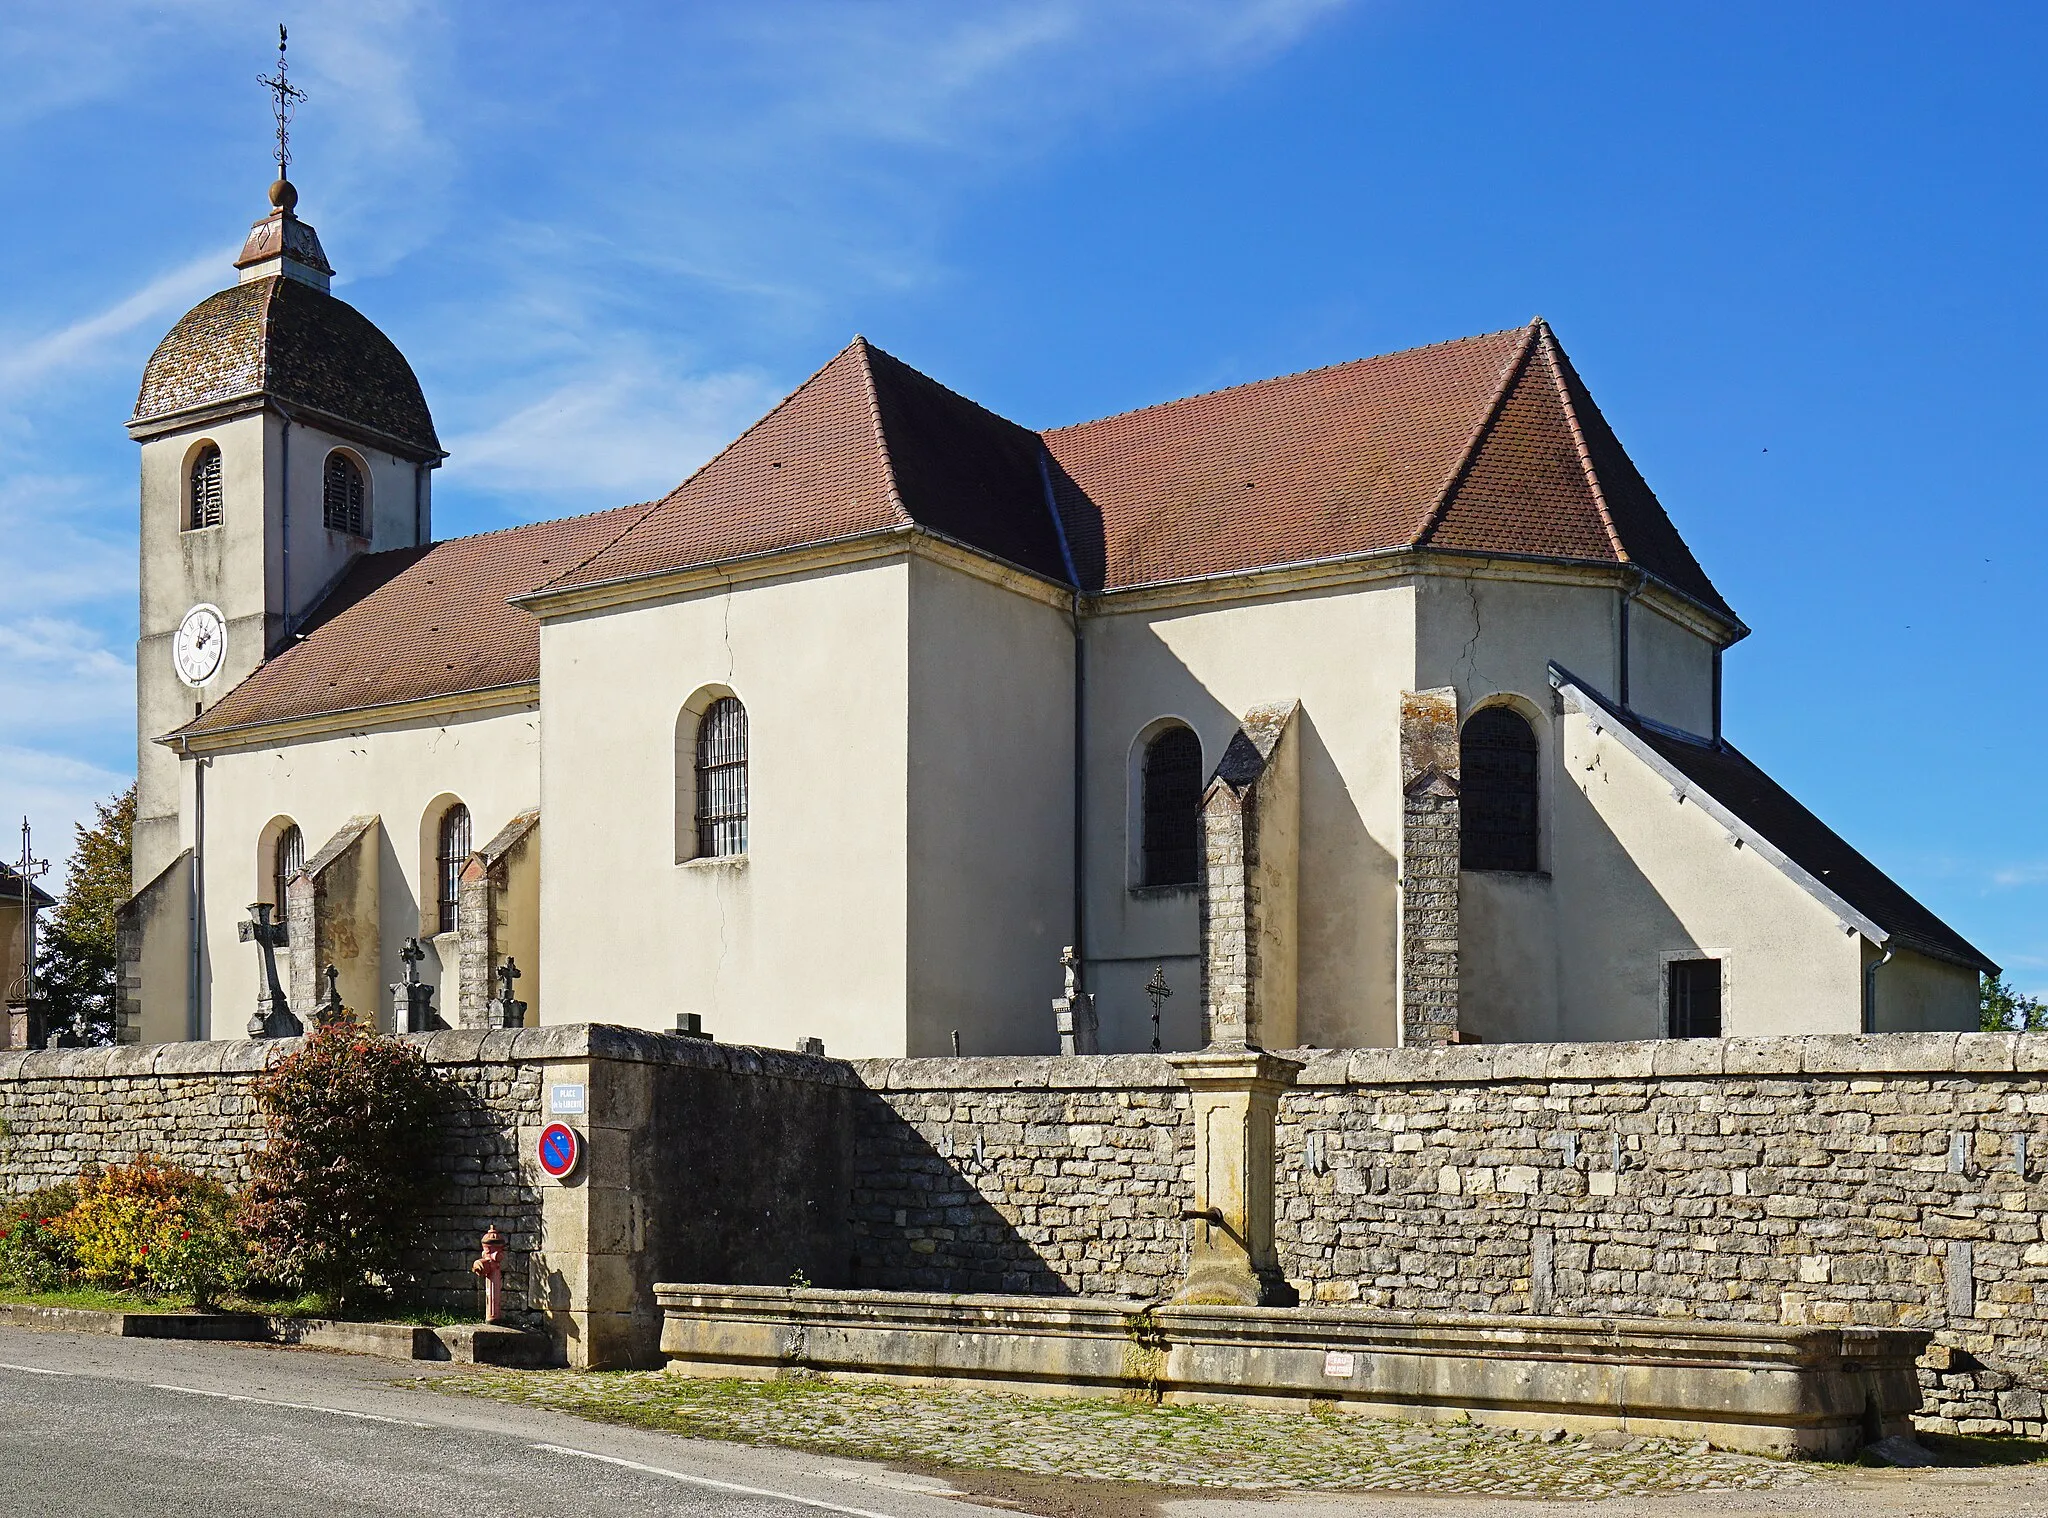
(95, 337)
(2016, 876)
(55, 792)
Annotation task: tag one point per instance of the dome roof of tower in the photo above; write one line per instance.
(280, 338)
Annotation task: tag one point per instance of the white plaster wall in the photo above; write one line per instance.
(1346, 655)
(807, 935)
(1919, 994)
(1670, 672)
(991, 811)
(1639, 876)
(492, 762)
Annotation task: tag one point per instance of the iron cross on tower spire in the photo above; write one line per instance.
(284, 99)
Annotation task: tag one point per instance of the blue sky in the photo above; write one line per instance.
(1795, 250)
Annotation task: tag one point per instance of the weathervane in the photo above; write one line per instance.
(284, 98)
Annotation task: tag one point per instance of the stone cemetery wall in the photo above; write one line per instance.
(1058, 1176)
(190, 1105)
(1881, 1181)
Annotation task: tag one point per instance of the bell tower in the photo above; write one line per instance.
(282, 437)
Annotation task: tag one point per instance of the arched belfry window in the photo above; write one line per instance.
(205, 489)
(1173, 803)
(1497, 788)
(722, 779)
(342, 495)
(450, 856)
(288, 857)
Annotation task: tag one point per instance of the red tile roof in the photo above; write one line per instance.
(867, 444)
(1488, 445)
(411, 623)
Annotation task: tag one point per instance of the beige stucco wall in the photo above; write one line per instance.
(991, 809)
(1346, 654)
(491, 761)
(805, 936)
(1919, 994)
(1670, 671)
(1639, 876)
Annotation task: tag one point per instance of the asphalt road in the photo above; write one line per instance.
(96, 1425)
(131, 1427)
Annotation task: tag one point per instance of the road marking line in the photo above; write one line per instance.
(722, 1486)
(302, 1407)
(34, 1370)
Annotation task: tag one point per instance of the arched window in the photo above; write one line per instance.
(1173, 803)
(287, 858)
(205, 489)
(1497, 790)
(722, 779)
(449, 858)
(342, 495)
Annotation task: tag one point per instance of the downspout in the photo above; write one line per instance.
(1628, 596)
(419, 504)
(196, 897)
(1870, 988)
(1080, 757)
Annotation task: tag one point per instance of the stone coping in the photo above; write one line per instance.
(456, 1046)
(1934, 1054)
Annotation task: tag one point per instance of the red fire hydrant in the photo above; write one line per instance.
(490, 1266)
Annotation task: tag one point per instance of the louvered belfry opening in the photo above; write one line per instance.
(1173, 801)
(722, 780)
(206, 499)
(453, 854)
(287, 860)
(342, 497)
(1497, 789)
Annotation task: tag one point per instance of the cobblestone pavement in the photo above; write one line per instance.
(1103, 1440)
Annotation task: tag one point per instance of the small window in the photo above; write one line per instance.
(1173, 804)
(450, 857)
(722, 780)
(342, 498)
(1497, 792)
(205, 489)
(286, 860)
(1693, 991)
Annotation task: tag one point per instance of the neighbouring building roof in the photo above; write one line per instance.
(10, 890)
(412, 623)
(1488, 444)
(1727, 775)
(283, 339)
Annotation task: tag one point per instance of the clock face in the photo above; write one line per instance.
(201, 645)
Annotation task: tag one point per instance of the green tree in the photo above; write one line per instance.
(2001, 1009)
(78, 959)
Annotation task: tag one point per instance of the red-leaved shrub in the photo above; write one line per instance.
(344, 1186)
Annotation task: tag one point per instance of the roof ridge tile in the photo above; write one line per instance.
(867, 351)
(1510, 372)
(1571, 416)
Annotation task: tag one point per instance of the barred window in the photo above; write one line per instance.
(1497, 790)
(451, 856)
(1173, 804)
(205, 489)
(286, 860)
(722, 780)
(342, 498)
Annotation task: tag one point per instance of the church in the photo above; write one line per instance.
(1368, 706)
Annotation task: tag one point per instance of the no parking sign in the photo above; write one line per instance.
(559, 1150)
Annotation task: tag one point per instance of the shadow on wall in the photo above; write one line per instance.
(920, 1223)
(1347, 909)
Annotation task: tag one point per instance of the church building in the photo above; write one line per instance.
(1374, 705)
